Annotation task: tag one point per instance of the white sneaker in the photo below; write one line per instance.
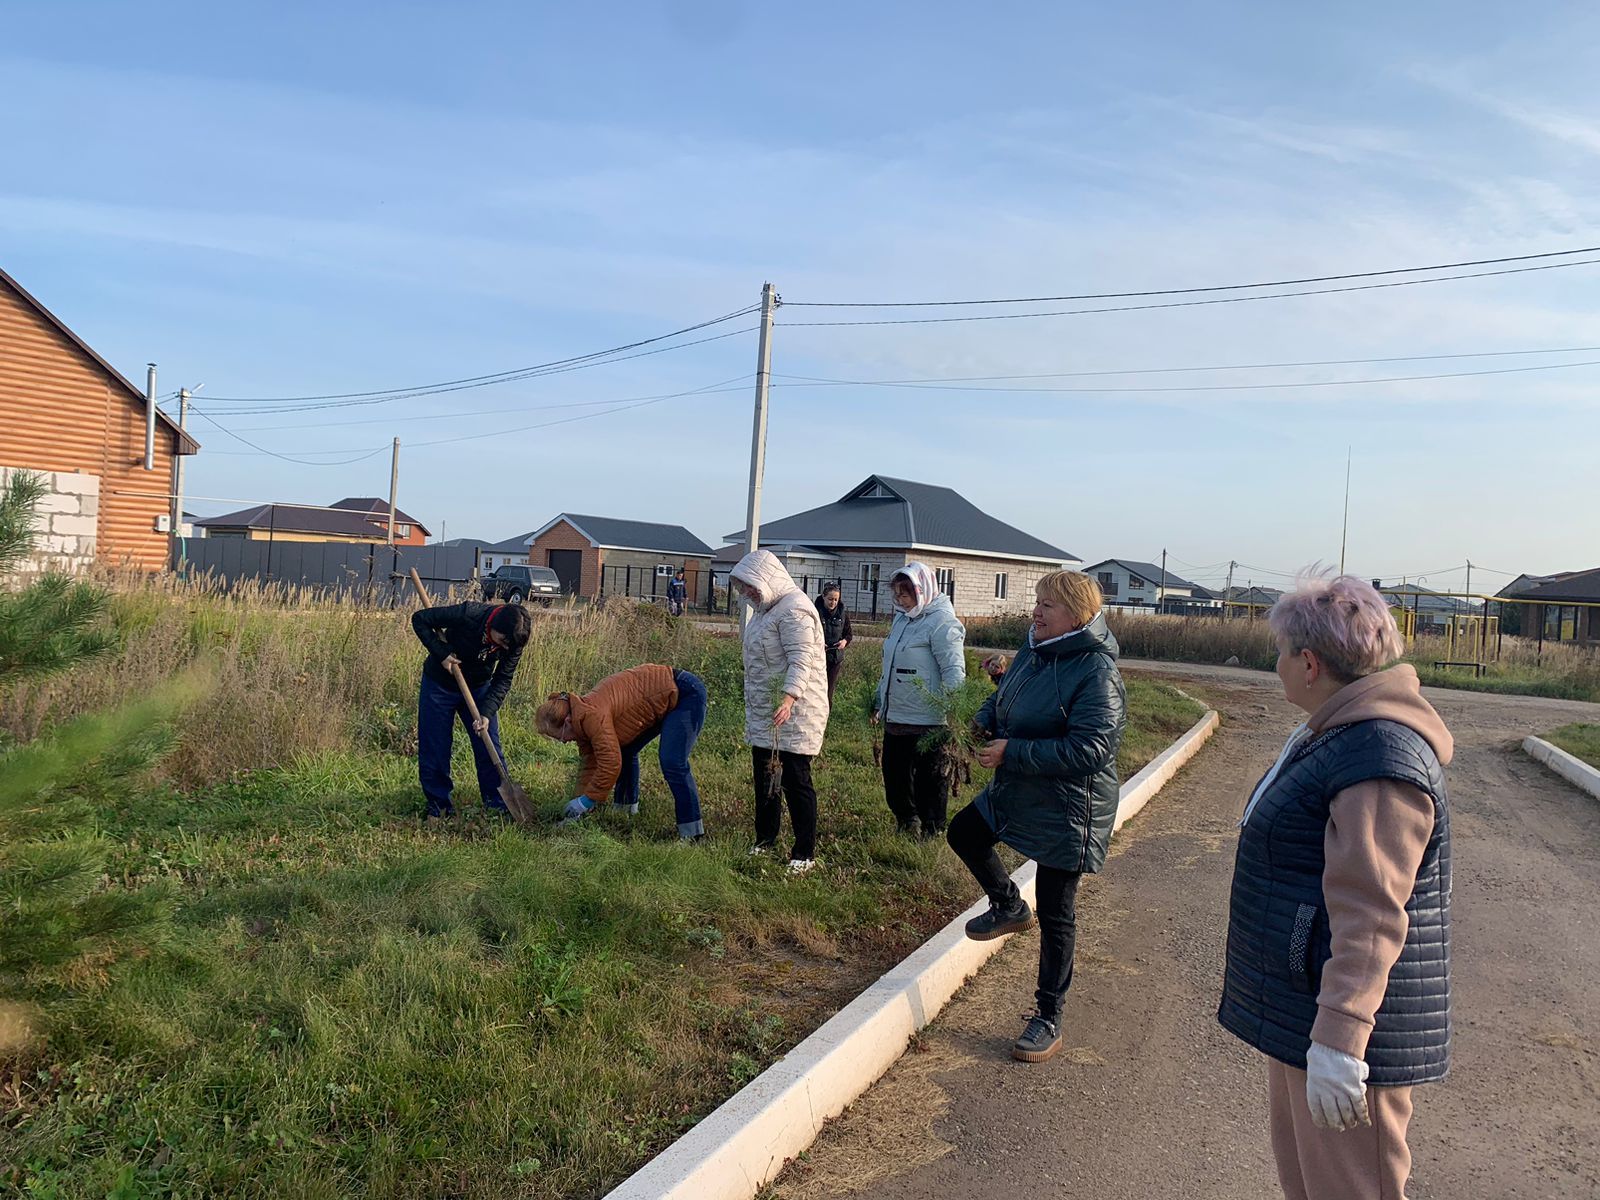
(799, 866)
(758, 851)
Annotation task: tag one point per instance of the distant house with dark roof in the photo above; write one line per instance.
(1556, 610)
(1250, 600)
(511, 551)
(595, 556)
(1127, 581)
(986, 565)
(1431, 611)
(353, 519)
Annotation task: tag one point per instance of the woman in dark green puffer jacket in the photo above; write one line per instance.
(1053, 728)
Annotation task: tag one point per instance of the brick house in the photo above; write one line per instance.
(353, 519)
(1564, 607)
(987, 566)
(594, 556)
(70, 416)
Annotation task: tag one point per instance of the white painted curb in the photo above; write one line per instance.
(742, 1145)
(1574, 770)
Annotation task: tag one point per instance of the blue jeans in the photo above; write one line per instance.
(437, 710)
(678, 731)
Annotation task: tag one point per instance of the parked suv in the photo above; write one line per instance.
(517, 584)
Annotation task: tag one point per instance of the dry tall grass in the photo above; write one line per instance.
(292, 673)
(1515, 665)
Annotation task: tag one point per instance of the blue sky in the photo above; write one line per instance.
(320, 199)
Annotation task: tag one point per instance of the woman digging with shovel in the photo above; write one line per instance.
(473, 650)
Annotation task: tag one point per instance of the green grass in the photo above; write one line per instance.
(353, 1005)
(1582, 741)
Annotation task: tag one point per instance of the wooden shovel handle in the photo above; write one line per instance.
(466, 692)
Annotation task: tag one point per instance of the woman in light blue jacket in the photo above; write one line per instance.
(924, 660)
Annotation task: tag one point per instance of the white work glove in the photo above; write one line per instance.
(1336, 1088)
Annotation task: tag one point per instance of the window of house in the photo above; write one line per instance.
(868, 578)
(402, 531)
(1135, 582)
(664, 569)
(1108, 583)
(947, 579)
(1000, 582)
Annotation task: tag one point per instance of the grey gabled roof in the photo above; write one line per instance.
(295, 518)
(613, 533)
(911, 514)
(512, 545)
(1149, 572)
(465, 543)
(1575, 587)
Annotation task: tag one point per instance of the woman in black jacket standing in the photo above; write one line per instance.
(835, 632)
(1054, 727)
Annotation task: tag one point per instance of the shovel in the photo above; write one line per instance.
(516, 800)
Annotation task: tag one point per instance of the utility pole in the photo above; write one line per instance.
(758, 434)
(394, 485)
(177, 476)
(1161, 588)
(1344, 533)
(1227, 591)
(150, 417)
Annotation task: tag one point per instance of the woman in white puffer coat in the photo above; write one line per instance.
(785, 701)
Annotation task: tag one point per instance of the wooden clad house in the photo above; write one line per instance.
(68, 414)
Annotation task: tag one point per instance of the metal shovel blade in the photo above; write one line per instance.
(517, 802)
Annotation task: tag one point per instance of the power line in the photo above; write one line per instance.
(287, 457)
(1200, 387)
(454, 414)
(287, 408)
(1322, 362)
(1078, 312)
(552, 367)
(363, 453)
(1187, 291)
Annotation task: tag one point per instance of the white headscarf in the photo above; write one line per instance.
(924, 583)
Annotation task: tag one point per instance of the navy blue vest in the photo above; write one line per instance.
(1278, 937)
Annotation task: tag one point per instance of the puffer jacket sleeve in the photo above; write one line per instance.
(881, 696)
(1095, 717)
(602, 756)
(949, 646)
(984, 718)
(800, 634)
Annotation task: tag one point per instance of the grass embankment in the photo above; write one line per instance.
(1559, 671)
(1580, 741)
(351, 1005)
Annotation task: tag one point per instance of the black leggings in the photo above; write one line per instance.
(795, 771)
(974, 842)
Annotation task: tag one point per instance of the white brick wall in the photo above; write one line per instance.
(66, 519)
(974, 579)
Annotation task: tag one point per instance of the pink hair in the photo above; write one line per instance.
(1344, 620)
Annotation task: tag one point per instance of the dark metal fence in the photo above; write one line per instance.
(376, 572)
